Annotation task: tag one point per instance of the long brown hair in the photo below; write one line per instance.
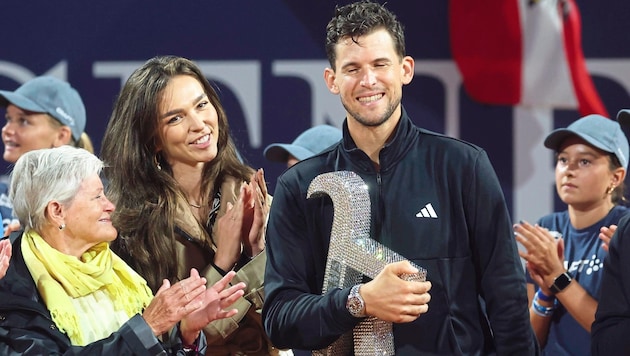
(146, 195)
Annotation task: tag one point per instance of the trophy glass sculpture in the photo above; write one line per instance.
(352, 254)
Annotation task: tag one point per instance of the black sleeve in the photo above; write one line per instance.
(40, 337)
(611, 330)
(501, 274)
(295, 313)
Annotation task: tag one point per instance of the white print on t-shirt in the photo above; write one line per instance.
(592, 265)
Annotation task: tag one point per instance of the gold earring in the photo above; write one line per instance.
(157, 162)
(610, 189)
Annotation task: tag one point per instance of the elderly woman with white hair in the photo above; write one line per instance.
(66, 292)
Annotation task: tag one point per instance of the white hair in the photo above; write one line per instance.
(45, 175)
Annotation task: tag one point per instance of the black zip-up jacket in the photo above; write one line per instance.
(26, 327)
(478, 298)
(611, 328)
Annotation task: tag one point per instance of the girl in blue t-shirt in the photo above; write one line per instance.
(563, 251)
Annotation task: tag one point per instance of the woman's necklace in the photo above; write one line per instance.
(195, 205)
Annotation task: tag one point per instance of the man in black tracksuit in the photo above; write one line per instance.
(434, 200)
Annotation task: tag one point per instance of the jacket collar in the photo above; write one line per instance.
(404, 133)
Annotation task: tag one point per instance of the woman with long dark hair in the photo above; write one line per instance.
(184, 198)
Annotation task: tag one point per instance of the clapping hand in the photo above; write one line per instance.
(5, 256)
(605, 234)
(229, 231)
(173, 303)
(543, 252)
(242, 228)
(256, 216)
(215, 301)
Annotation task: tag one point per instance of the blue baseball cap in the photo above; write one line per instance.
(51, 96)
(598, 131)
(307, 144)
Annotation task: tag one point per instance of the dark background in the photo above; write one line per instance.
(38, 35)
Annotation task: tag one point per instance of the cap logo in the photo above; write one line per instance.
(65, 116)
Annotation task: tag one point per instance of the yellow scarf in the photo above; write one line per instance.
(60, 277)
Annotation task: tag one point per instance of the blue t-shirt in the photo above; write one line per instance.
(584, 260)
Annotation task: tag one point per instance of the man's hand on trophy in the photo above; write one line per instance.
(391, 298)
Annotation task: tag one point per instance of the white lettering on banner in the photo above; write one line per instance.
(120, 70)
(446, 72)
(534, 183)
(244, 79)
(241, 77)
(531, 179)
(530, 125)
(15, 72)
(327, 108)
(21, 74)
(617, 70)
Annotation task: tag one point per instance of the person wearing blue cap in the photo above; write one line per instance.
(43, 112)
(307, 144)
(609, 334)
(563, 252)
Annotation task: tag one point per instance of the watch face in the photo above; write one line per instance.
(355, 306)
(561, 282)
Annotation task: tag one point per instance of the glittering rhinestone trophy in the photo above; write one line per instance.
(352, 254)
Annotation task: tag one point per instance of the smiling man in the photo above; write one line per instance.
(434, 200)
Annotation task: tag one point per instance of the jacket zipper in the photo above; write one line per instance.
(378, 221)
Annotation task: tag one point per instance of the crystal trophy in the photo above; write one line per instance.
(353, 254)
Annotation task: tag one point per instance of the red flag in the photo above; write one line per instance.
(522, 52)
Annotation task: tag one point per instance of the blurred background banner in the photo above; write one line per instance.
(498, 73)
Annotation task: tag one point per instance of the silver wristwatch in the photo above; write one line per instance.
(355, 304)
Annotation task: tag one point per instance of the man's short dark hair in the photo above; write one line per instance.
(362, 18)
